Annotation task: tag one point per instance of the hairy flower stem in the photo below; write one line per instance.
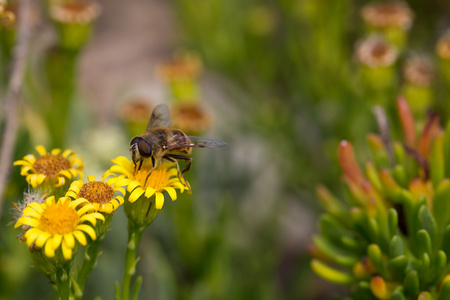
(63, 280)
(90, 260)
(91, 255)
(134, 238)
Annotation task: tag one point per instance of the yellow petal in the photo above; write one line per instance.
(67, 252)
(135, 195)
(25, 169)
(30, 158)
(122, 161)
(76, 185)
(41, 150)
(65, 173)
(159, 200)
(86, 208)
(36, 207)
(29, 212)
(149, 192)
(72, 194)
(80, 237)
(121, 170)
(120, 190)
(88, 229)
(42, 238)
(172, 193)
(77, 202)
(90, 218)
(132, 185)
(35, 179)
(69, 240)
(67, 153)
(55, 151)
(55, 241)
(73, 172)
(50, 200)
(49, 250)
(91, 178)
(31, 235)
(61, 181)
(107, 208)
(27, 221)
(120, 199)
(21, 163)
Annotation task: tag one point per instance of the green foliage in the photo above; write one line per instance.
(405, 239)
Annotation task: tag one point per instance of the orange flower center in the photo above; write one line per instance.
(96, 192)
(51, 165)
(75, 7)
(157, 180)
(59, 219)
(379, 51)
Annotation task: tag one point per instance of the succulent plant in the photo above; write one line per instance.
(390, 239)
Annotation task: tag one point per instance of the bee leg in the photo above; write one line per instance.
(135, 166)
(174, 158)
(153, 167)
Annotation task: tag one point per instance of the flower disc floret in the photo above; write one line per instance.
(52, 168)
(100, 194)
(163, 178)
(54, 224)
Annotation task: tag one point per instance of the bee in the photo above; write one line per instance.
(159, 142)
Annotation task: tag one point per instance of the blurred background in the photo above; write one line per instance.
(282, 82)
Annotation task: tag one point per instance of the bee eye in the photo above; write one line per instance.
(135, 140)
(144, 148)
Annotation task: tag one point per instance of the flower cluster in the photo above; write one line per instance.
(61, 212)
(390, 240)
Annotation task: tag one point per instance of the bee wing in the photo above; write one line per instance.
(195, 142)
(160, 117)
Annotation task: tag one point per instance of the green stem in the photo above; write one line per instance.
(90, 259)
(63, 281)
(134, 238)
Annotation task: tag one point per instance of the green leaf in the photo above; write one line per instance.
(136, 288)
(397, 266)
(353, 244)
(446, 241)
(396, 247)
(374, 228)
(441, 205)
(372, 175)
(427, 222)
(399, 153)
(438, 266)
(333, 231)
(363, 291)
(331, 204)
(340, 256)
(392, 222)
(424, 242)
(409, 205)
(445, 291)
(447, 150)
(376, 257)
(398, 294)
(399, 175)
(437, 164)
(412, 283)
(330, 274)
(425, 268)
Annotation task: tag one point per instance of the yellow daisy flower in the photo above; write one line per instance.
(163, 178)
(98, 193)
(57, 224)
(50, 168)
